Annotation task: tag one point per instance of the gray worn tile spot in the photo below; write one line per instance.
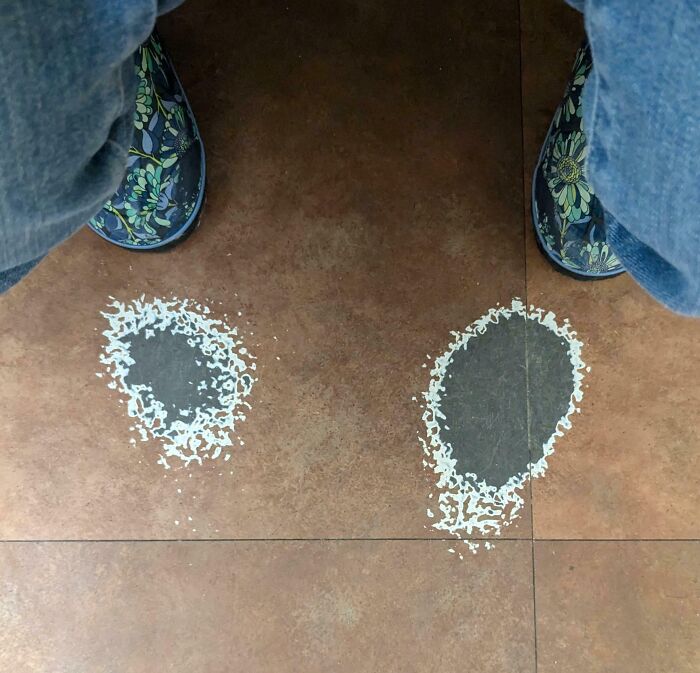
(174, 370)
(551, 383)
(485, 403)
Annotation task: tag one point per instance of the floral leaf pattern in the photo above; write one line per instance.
(568, 218)
(162, 189)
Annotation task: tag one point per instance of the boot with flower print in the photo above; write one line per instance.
(161, 196)
(568, 218)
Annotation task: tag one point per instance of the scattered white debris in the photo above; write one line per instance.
(201, 435)
(468, 506)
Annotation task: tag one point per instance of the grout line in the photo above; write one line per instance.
(352, 539)
(527, 303)
(613, 539)
(265, 539)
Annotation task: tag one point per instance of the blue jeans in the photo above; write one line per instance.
(66, 117)
(68, 92)
(642, 120)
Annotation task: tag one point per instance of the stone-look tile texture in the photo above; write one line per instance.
(628, 607)
(363, 200)
(294, 607)
(630, 468)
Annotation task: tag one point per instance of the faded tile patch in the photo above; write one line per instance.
(499, 397)
(185, 375)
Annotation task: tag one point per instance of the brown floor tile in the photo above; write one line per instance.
(618, 606)
(216, 607)
(630, 468)
(363, 201)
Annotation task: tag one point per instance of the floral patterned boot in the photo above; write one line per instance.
(567, 216)
(161, 196)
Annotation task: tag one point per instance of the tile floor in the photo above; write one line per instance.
(369, 167)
